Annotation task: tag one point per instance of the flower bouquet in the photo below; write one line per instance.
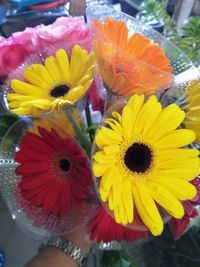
(108, 129)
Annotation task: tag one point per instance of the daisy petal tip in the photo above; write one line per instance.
(117, 219)
(178, 213)
(156, 229)
(193, 192)
(103, 197)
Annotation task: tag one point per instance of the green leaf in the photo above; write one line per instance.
(92, 127)
(6, 120)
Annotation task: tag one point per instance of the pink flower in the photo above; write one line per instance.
(16, 48)
(11, 55)
(28, 38)
(66, 31)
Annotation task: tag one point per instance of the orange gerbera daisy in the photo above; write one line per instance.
(132, 64)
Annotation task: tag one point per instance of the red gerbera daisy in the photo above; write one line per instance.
(54, 171)
(102, 227)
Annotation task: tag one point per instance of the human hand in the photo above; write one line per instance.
(77, 7)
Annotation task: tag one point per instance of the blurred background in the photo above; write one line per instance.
(178, 21)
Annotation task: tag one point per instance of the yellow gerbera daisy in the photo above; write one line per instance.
(192, 108)
(141, 162)
(58, 121)
(55, 84)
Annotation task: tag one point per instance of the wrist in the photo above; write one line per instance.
(71, 249)
(84, 246)
(80, 238)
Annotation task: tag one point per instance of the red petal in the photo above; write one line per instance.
(85, 175)
(31, 195)
(25, 154)
(119, 233)
(52, 197)
(35, 142)
(32, 167)
(35, 181)
(40, 198)
(179, 226)
(65, 199)
(80, 192)
(51, 137)
(96, 100)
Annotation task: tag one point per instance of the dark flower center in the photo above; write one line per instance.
(138, 158)
(64, 165)
(60, 90)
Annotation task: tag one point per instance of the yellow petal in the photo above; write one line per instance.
(127, 123)
(117, 116)
(20, 98)
(63, 63)
(114, 125)
(87, 66)
(27, 89)
(168, 120)
(35, 79)
(111, 149)
(87, 84)
(143, 115)
(99, 169)
(128, 200)
(42, 72)
(110, 178)
(180, 188)
(122, 213)
(43, 104)
(110, 200)
(54, 71)
(178, 163)
(104, 193)
(59, 103)
(23, 111)
(78, 56)
(111, 134)
(151, 116)
(166, 200)
(117, 215)
(176, 138)
(183, 173)
(14, 104)
(105, 137)
(74, 94)
(147, 209)
(179, 153)
(103, 158)
(116, 187)
(85, 80)
(135, 104)
(86, 76)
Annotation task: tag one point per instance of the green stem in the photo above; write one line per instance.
(89, 121)
(81, 135)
